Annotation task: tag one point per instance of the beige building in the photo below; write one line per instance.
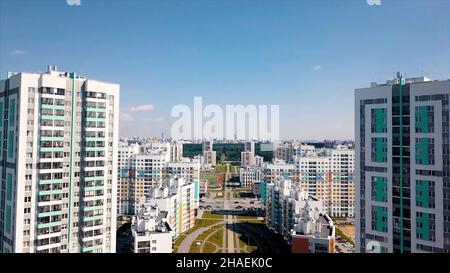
(331, 179)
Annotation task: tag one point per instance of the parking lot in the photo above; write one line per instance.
(342, 246)
(236, 204)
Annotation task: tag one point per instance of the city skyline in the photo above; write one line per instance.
(308, 57)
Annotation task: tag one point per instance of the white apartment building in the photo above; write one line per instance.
(174, 149)
(178, 198)
(306, 150)
(248, 176)
(297, 216)
(150, 230)
(342, 199)
(284, 151)
(141, 168)
(279, 169)
(149, 168)
(58, 163)
(259, 161)
(313, 232)
(129, 188)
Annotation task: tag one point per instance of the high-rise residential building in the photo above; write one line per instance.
(330, 177)
(402, 166)
(279, 169)
(299, 217)
(248, 155)
(178, 197)
(284, 151)
(59, 139)
(209, 155)
(130, 187)
(248, 176)
(173, 149)
(142, 166)
(306, 150)
(149, 168)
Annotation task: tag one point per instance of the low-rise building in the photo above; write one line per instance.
(313, 232)
(151, 231)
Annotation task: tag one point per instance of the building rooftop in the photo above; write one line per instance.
(149, 220)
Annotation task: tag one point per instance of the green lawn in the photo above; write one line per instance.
(208, 214)
(209, 248)
(201, 223)
(246, 217)
(220, 169)
(217, 237)
(194, 247)
(211, 179)
(179, 240)
(205, 234)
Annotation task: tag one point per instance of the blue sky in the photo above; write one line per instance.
(306, 56)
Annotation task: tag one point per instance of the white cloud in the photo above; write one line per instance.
(128, 114)
(374, 2)
(317, 67)
(153, 120)
(124, 116)
(17, 52)
(142, 108)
